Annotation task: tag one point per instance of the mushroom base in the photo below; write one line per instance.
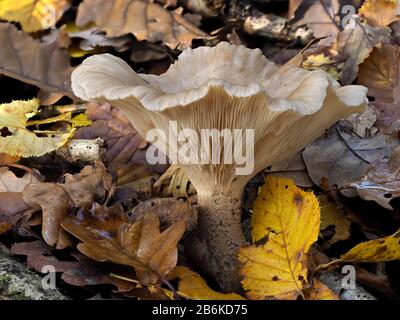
(219, 222)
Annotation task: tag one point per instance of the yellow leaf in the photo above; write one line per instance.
(321, 62)
(379, 250)
(320, 291)
(33, 15)
(332, 216)
(19, 141)
(81, 120)
(380, 13)
(287, 219)
(193, 286)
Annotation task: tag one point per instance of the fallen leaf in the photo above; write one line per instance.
(55, 199)
(144, 19)
(380, 73)
(320, 291)
(140, 245)
(379, 250)
(23, 142)
(285, 223)
(174, 183)
(169, 210)
(34, 15)
(9, 182)
(193, 286)
(44, 65)
(126, 149)
(332, 216)
(380, 13)
(381, 181)
(355, 43)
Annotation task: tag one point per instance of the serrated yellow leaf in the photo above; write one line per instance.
(285, 224)
(19, 141)
(378, 250)
(193, 286)
(33, 15)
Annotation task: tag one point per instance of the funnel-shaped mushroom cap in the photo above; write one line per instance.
(223, 87)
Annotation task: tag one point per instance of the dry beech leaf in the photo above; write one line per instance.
(9, 182)
(126, 149)
(33, 15)
(285, 224)
(80, 272)
(354, 45)
(144, 19)
(379, 250)
(380, 13)
(140, 245)
(44, 65)
(54, 199)
(21, 141)
(193, 286)
(320, 291)
(380, 73)
(332, 216)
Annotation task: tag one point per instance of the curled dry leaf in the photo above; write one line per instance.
(33, 15)
(21, 141)
(285, 224)
(169, 210)
(380, 12)
(174, 183)
(193, 286)
(144, 19)
(355, 43)
(140, 245)
(44, 65)
(54, 199)
(9, 182)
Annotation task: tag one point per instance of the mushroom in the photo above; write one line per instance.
(225, 87)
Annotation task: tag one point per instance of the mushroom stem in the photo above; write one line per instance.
(219, 223)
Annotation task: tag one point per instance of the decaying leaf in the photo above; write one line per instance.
(54, 199)
(320, 291)
(380, 73)
(193, 286)
(287, 220)
(9, 182)
(332, 216)
(169, 210)
(355, 43)
(380, 12)
(174, 183)
(379, 250)
(381, 181)
(33, 15)
(23, 142)
(126, 149)
(80, 272)
(321, 62)
(140, 245)
(144, 19)
(44, 65)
